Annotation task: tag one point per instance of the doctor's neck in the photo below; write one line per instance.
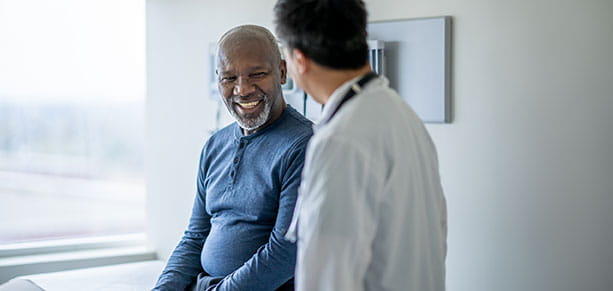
(326, 80)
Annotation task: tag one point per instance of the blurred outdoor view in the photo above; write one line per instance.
(72, 83)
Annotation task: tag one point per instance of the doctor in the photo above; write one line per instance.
(371, 214)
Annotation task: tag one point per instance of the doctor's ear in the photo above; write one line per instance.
(300, 61)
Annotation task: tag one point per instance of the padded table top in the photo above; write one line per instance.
(124, 277)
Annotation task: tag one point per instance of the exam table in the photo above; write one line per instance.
(123, 277)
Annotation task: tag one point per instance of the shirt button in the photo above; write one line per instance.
(236, 160)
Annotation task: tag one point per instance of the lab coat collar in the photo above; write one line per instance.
(337, 97)
(334, 101)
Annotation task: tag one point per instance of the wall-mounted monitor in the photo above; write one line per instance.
(418, 63)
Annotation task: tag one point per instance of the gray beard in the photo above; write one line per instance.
(254, 123)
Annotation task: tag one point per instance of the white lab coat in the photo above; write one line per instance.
(371, 214)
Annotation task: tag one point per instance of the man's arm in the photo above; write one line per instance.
(273, 264)
(336, 224)
(184, 263)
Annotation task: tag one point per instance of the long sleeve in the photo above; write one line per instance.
(336, 224)
(184, 263)
(273, 264)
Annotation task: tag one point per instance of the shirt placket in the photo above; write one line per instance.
(238, 156)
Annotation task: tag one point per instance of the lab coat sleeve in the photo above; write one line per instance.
(336, 224)
(274, 263)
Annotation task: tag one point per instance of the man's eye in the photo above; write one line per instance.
(259, 74)
(228, 79)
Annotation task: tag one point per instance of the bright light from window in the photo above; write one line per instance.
(72, 81)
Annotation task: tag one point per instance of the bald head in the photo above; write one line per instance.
(248, 36)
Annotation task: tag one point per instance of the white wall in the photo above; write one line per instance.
(527, 164)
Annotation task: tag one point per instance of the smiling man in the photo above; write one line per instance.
(247, 56)
(247, 180)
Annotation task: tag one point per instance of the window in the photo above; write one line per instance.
(72, 83)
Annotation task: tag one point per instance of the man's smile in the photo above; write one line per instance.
(249, 105)
(249, 108)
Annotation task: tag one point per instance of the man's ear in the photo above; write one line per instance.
(283, 68)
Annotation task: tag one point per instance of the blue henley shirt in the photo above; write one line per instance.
(247, 187)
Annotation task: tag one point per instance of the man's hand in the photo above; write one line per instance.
(204, 282)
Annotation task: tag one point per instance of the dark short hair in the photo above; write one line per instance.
(330, 32)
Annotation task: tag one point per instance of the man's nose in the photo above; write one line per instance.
(243, 87)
